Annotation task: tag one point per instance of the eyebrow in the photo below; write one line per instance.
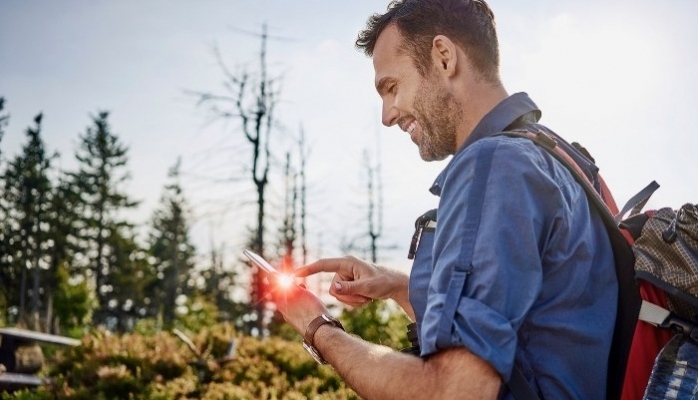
(383, 83)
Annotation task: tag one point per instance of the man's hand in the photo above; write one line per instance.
(298, 306)
(357, 282)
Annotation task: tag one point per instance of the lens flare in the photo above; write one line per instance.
(285, 281)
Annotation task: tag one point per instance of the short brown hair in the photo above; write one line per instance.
(469, 23)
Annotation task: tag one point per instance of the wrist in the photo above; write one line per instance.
(399, 283)
(394, 282)
(321, 322)
(400, 293)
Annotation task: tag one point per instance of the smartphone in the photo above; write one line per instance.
(261, 263)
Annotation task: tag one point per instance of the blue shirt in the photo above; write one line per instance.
(520, 268)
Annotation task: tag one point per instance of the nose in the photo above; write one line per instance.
(390, 114)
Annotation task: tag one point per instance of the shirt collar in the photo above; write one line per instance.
(508, 112)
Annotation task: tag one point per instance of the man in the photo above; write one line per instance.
(518, 274)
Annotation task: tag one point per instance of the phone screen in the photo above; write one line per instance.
(260, 262)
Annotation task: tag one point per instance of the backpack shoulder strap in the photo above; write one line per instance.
(629, 300)
(519, 387)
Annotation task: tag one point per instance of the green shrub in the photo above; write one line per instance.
(160, 366)
(378, 322)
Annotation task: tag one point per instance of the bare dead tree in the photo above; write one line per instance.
(251, 98)
(4, 119)
(289, 234)
(304, 154)
(369, 242)
(375, 205)
(293, 230)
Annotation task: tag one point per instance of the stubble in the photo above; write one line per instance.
(439, 113)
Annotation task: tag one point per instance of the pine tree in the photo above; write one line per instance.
(171, 248)
(99, 181)
(126, 293)
(64, 279)
(73, 302)
(26, 202)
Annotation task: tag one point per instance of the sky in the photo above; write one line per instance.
(617, 76)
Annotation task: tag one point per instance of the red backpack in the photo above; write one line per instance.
(656, 259)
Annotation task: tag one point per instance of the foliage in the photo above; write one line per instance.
(172, 252)
(280, 328)
(103, 234)
(196, 313)
(218, 280)
(28, 394)
(127, 296)
(378, 322)
(73, 301)
(160, 366)
(26, 197)
(62, 232)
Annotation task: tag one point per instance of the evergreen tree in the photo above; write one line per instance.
(220, 279)
(73, 302)
(99, 182)
(125, 290)
(170, 247)
(65, 280)
(26, 203)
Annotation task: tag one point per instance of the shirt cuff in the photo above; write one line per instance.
(475, 326)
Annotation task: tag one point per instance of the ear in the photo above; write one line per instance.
(444, 55)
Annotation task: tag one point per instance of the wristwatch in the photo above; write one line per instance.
(308, 343)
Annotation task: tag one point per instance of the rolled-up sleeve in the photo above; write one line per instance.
(496, 213)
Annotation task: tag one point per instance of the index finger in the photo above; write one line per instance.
(323, 265)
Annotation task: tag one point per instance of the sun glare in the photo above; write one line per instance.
(285, 281)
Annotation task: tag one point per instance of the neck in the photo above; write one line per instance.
(478, 100)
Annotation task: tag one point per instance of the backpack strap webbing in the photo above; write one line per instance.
(629, 300)
(653, 314)
(519, 387)
(637, 202)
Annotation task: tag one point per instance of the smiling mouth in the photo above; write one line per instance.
(411, 127)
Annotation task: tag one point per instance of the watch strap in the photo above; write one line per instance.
(317, 323)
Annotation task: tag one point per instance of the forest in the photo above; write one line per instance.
(73, 264)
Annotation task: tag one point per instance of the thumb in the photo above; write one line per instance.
(349, 292)
(347, 287)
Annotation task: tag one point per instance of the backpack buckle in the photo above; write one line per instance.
(424, 221)
(545, 140)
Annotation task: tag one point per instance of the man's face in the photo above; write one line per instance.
(422, 106)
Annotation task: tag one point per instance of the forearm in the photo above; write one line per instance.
(378, 372)
(373, 371)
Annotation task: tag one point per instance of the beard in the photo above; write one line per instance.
(438, 112)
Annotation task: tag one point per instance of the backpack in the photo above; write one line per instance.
(654, 353)
(665, 246)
